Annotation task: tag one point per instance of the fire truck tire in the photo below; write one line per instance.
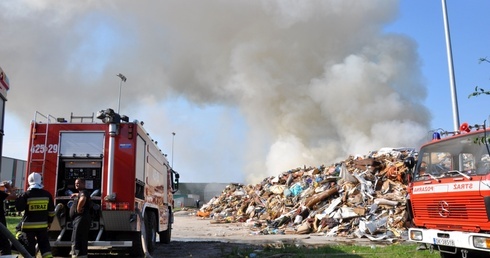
(470, 253)
(60, 251)
(151, 231)
(166, 235)
(137, 249)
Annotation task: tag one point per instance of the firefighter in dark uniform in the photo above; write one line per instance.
(80, 214)
(38, 207)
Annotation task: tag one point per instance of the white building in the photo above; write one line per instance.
(13, 169)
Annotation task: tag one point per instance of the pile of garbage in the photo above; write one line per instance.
(359, 197)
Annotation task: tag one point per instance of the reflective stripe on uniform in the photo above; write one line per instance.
(34, 225)
(38, 203)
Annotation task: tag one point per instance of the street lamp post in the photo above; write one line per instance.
(123, 79)
(173, 136)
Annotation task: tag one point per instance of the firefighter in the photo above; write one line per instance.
(7, 194)
(80, 215)
(38, 207)
(423, 168)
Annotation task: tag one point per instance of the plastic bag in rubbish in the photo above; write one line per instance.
(296, 189)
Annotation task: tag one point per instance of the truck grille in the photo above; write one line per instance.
(451, 209)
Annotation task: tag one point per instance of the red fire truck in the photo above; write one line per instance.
(449, 193)
(130, 179)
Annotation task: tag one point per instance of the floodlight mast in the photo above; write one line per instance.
(123, 79)
(452, 83)
(173, 136)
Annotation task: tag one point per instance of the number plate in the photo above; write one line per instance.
(444, 241)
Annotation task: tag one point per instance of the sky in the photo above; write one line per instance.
(250, 88)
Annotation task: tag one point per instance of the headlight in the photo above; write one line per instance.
(416, 235)
(481, 242)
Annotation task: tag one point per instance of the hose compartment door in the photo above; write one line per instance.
(82, 144)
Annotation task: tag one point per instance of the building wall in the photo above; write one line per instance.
(13, 169)
(201, 191)
(189, 193)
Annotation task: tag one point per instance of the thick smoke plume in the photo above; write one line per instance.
(314, 81)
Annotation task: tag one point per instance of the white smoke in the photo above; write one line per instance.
(314, 81)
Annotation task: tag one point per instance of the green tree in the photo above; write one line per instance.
(479, 91)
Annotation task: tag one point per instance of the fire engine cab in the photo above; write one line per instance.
(130, 179)
(449, 193)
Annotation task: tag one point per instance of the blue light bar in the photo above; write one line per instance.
(436, 136)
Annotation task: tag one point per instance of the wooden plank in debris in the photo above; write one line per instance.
(311, 201)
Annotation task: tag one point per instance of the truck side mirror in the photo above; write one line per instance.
(175, 185)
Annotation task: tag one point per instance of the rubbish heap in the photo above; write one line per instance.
(359, 197)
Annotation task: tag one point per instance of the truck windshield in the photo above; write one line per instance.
(457, 157)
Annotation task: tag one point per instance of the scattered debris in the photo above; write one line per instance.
(359, 197)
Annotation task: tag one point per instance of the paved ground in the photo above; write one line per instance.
(197, 237)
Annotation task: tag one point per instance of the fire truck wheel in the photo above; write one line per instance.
(137, 249)
(472, 254)
(151, 230)
(60, 251)
(166, 235)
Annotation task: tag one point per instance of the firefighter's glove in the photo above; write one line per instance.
(21, 236)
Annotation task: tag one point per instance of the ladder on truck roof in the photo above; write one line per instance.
(82, 118)
(36, 133)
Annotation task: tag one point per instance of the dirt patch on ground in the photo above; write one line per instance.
(189, 227)
(199, 237)
(206, 250)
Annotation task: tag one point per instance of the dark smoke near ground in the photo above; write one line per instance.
(313, 81)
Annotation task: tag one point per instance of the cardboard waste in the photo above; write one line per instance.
(359, 197)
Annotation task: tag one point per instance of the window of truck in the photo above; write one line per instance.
(457, 157)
